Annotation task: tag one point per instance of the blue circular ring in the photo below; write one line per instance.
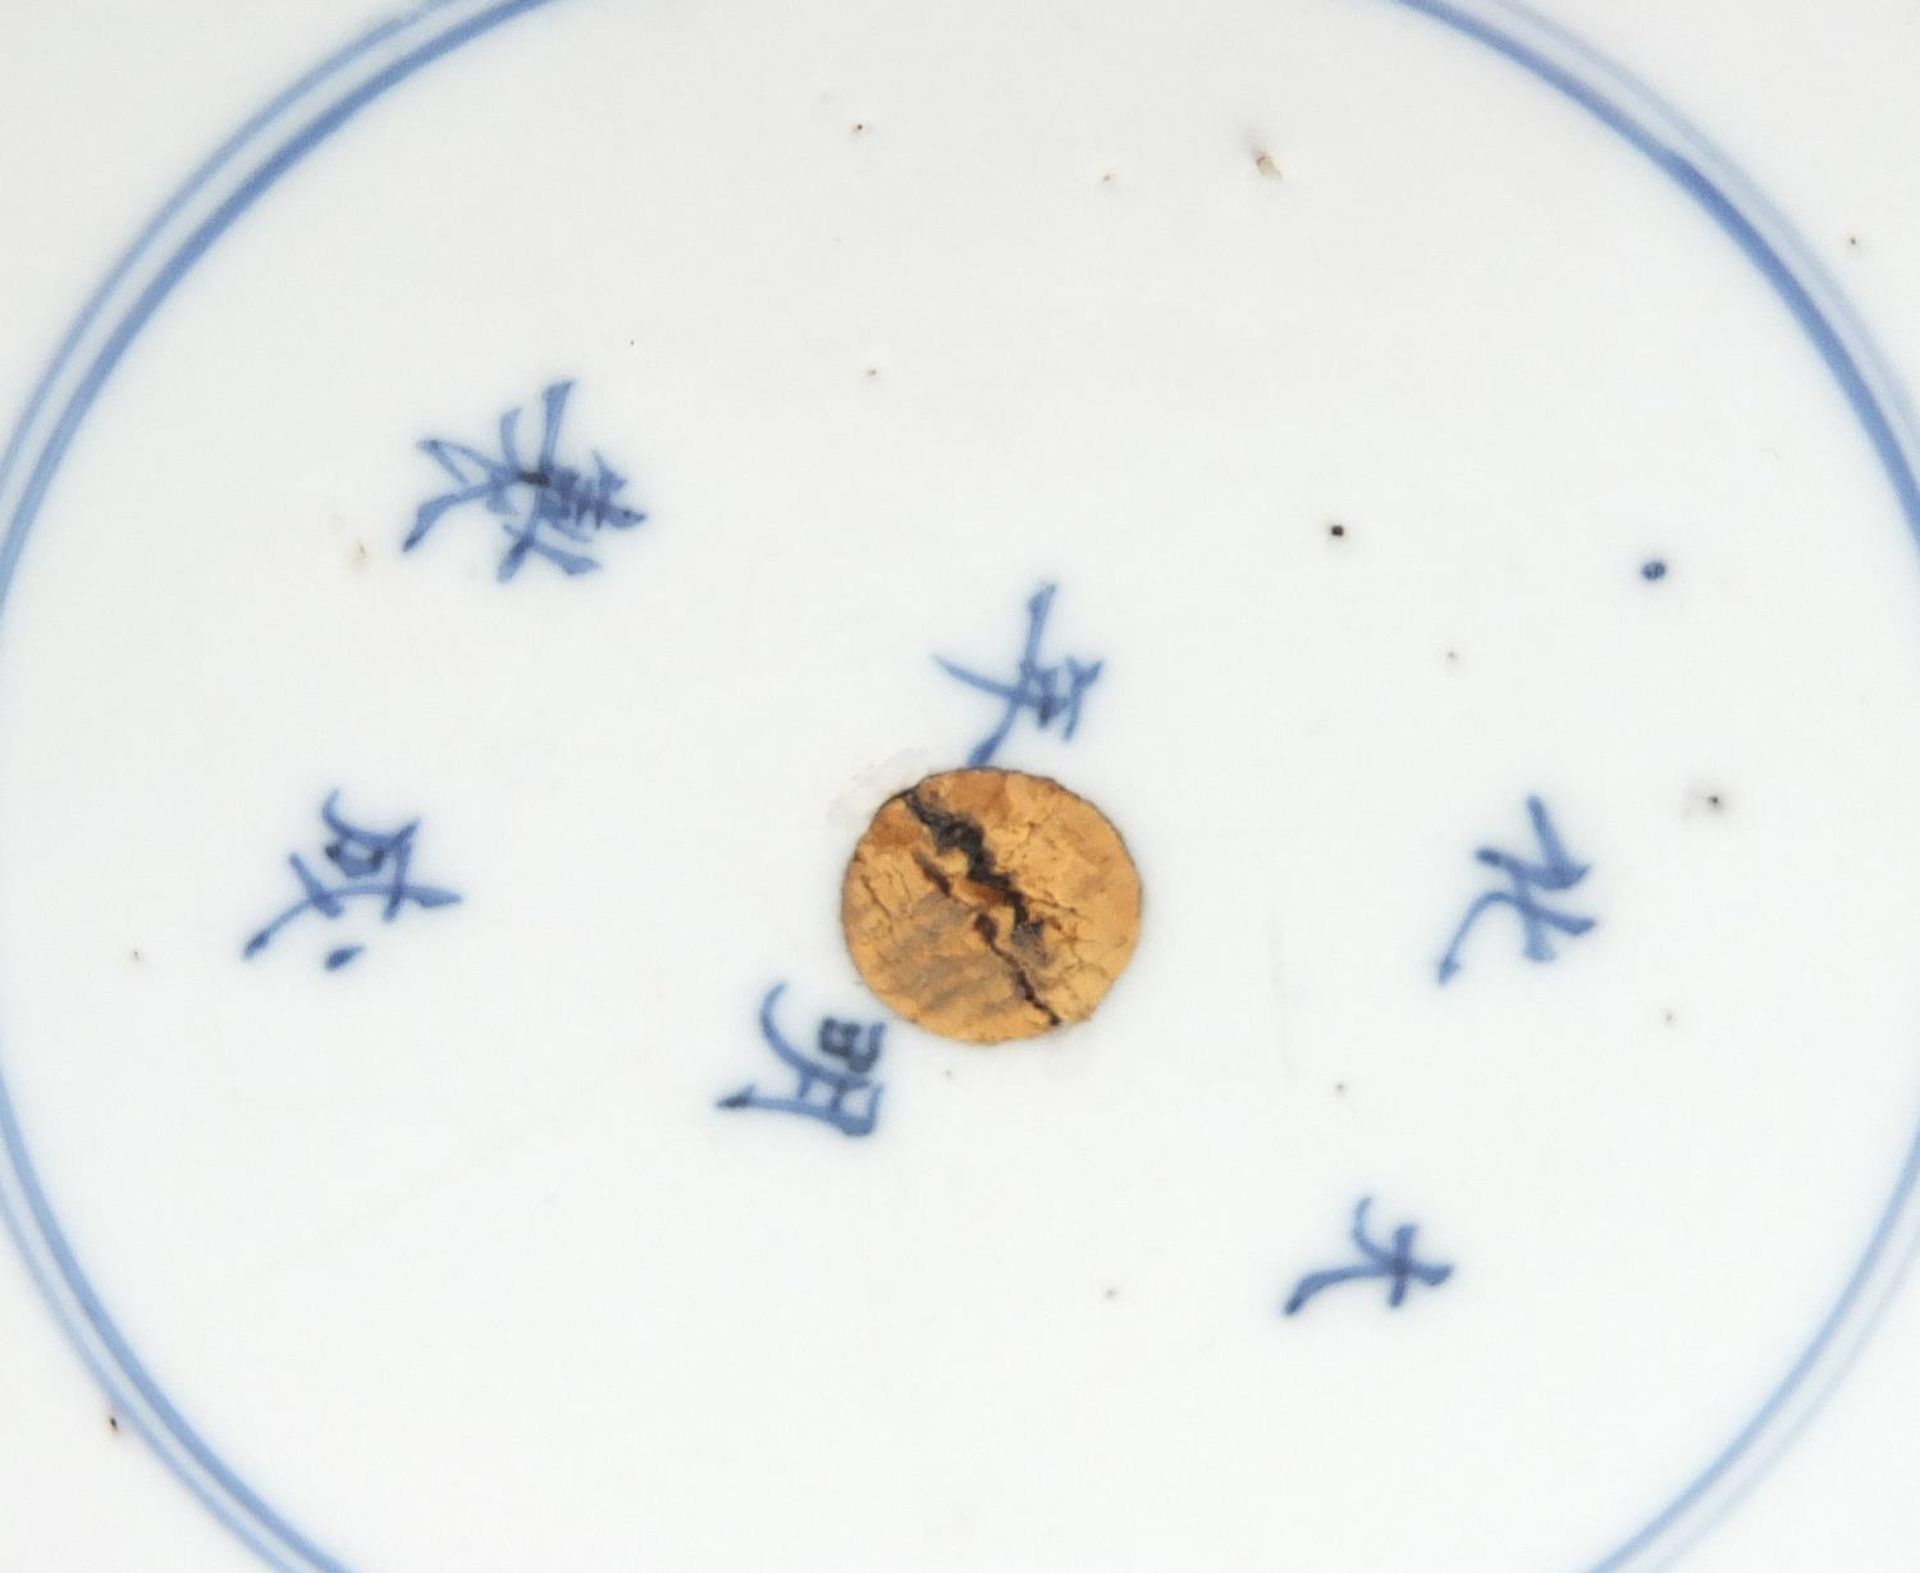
(273, 141)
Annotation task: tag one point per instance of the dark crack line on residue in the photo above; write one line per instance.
(935, 873)
(957, 833)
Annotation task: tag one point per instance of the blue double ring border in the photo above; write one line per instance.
(286, 130)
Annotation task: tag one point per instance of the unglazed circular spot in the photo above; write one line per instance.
(987, 905)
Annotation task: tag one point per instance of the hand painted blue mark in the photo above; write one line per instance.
(1557, 872)
(1653, 570)
(252, 163)
(374, 865)
(1035, 687)
(1395, 1263)
(540, 505)
(857, 1050)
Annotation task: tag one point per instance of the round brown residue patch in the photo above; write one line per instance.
(987, 905)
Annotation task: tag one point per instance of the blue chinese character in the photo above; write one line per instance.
(1555, 872)
(1395, 1264)
(1035, 687)
(373, 864)
(853, 1049)
(539, 505)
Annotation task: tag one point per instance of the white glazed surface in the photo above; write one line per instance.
(889, 318)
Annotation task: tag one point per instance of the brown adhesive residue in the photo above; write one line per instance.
(987, 905)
